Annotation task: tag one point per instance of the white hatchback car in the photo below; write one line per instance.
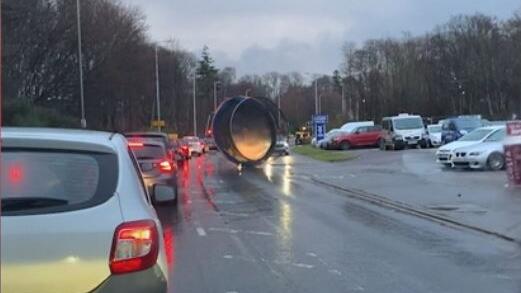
(76, 216)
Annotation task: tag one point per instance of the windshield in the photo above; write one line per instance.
(476, 135)
(468, 124)
(434, 129)
(407, 123)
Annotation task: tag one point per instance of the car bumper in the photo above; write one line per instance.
(469, 162)
(281, 151)
(152, 280)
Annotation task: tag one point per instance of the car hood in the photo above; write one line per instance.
(436, 136)
(458, 144)
(410, 132)
(483, 147)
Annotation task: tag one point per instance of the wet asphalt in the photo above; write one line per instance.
(270, 229)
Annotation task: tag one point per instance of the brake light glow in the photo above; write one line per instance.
(135, 247)
(15, 174)
(135, 145)
(165, 166)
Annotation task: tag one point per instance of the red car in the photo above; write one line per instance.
(360, 136)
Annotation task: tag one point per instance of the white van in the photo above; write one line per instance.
(403, 131)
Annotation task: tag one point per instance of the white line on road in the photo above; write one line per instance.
(200, 231)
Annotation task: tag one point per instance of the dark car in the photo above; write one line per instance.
(361, 136)
(156, 165)
(181, 150)
(454, 128)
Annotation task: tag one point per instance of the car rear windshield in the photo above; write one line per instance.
(147, 137)
(476, 135)
(408, 123)
(468, 124)
(149, 152)
(35, 182)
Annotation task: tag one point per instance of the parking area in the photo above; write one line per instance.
(413, 178)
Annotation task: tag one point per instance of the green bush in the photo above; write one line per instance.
(23, 113)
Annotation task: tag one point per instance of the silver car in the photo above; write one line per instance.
(76, 216)
(487, 154)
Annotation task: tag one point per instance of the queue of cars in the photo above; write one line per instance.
(108, 180)
(84, 188)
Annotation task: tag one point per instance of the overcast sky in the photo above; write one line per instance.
(257, 36)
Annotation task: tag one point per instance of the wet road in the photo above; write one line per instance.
(269, 230)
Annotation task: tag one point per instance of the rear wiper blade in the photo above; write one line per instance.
(25, 203)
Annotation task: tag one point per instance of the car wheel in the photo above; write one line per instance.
(345, 146)
(381, 144)
(496, 161)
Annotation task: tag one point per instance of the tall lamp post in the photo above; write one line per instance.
(158, 108)
(194, 104)
(215, 83)
(83, 120)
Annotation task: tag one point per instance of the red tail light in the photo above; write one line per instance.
(135, 145)
(135, 247)
(165, 166)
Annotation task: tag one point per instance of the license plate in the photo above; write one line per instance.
(412, 142)
(146, 166)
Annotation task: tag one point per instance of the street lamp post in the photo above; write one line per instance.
(278, 112)
(194, 105)
(158, 108)
(343, 102)
(316, 97)
(215, 83)
(83, 121)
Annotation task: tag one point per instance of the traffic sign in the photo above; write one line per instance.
(158, 123)
(319, 126)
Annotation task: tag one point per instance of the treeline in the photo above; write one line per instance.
(471, 65)
(41, 74)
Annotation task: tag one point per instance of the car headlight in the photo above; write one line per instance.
(474, 154)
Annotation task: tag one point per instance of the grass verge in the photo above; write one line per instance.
(323, 155)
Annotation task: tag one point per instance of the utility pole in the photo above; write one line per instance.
(157, 94)
(215, 83)
(195, 107)
(83, 121)
(343, 102)
(316, 97)
(278, 112)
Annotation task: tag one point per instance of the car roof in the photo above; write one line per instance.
(146, 133)
(492, 127)
(58, 138)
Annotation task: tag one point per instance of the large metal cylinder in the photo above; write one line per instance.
(245, 129)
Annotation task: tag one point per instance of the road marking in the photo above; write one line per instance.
(227, 256)
(235, 214)
(233, 231)
(225, 230)
(200, 231)
(311, 254)
(303, 265)
(335, 272)
(232, 292)
(259, 233)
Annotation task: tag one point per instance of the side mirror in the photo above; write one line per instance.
(163, 193)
